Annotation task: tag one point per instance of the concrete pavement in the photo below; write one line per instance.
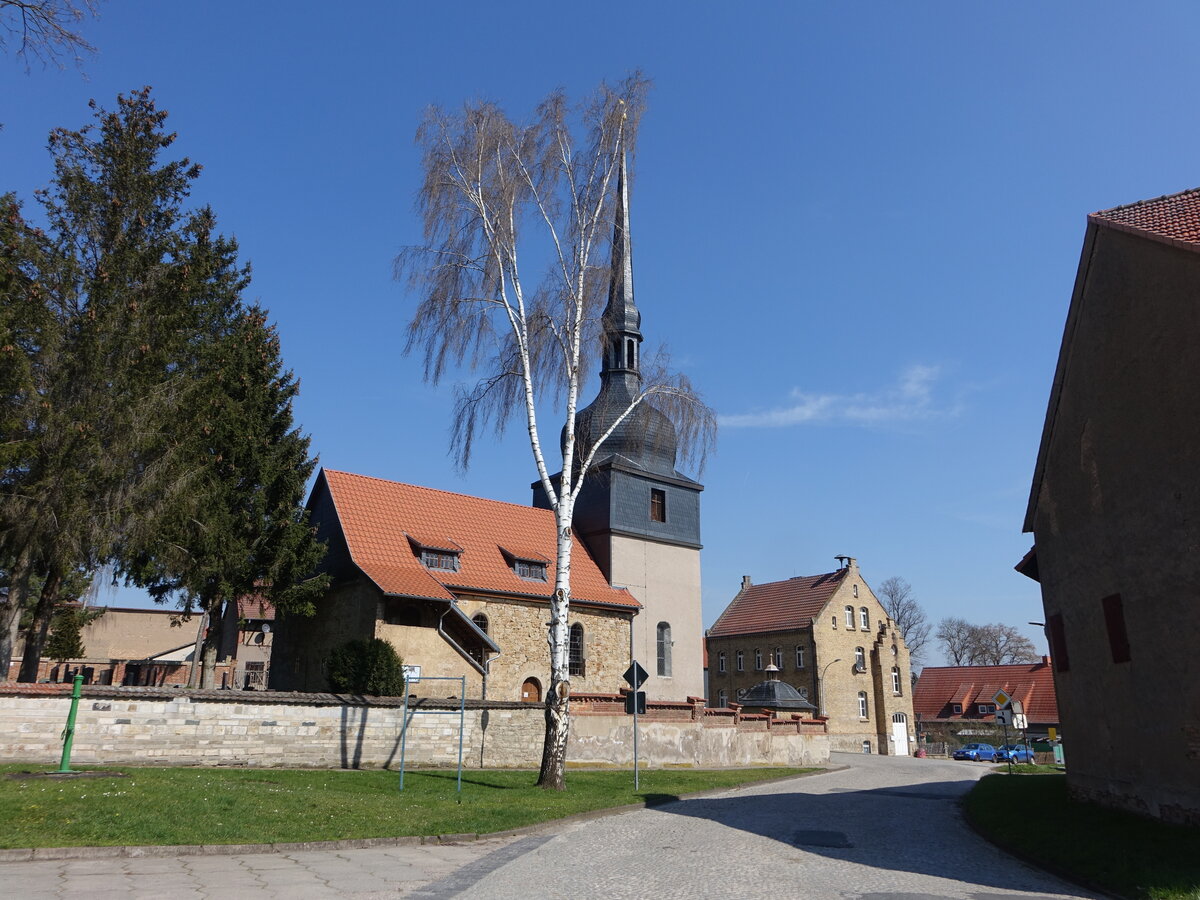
(884, 828)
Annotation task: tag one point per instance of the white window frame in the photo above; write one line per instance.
(799, 656)
(864, 618)
(721, 661)
(863, 709)
(849, 610)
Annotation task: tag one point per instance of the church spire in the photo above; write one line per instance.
(622, 320)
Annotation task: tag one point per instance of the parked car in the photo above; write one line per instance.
(1018, 753)
(976, 752)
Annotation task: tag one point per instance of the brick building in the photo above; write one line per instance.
(831, 639)
(1113, 509)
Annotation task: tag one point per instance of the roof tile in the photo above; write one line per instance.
(940, 686)
(777, 605)
(1173, 219)
(378, 517)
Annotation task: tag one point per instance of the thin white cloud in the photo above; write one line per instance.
(911, 398)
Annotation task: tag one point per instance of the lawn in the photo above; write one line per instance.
(1116, 852)
(233, 806)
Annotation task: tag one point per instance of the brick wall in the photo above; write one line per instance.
(153, 726)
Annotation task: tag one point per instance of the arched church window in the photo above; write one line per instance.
(575, 652)
(664, 649)
(481, 622)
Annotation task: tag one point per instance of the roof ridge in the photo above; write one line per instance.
(1145, 202)
(422, 487)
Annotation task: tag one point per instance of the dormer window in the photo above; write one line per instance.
(441, 560)
(530, 569)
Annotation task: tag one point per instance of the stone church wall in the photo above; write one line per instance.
(147, 726)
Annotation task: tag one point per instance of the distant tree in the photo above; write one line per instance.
(902, 607)
(488, 181)
(1001, 645)
(66, 631)
(367, 667)
(984, 645)
(957, 638)
(46, 30)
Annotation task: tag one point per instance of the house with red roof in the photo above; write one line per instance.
(459, 585)
(830, 639)
(962, 697)
(1115, 511)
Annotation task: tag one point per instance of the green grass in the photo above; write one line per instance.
(1117, 852)
(233, 806)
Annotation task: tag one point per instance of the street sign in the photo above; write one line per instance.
(635, 703)
(1004, 716)
(1021, 721)
(635, 675)
(1017, 707)
(1001, 699)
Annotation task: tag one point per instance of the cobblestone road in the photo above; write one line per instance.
(883, 829)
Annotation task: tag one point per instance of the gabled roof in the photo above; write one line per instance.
(778, 605)
(939, 687)
(383, 520)
(1173, 218)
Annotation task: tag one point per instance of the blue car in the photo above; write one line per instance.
(976, 752)
(1018, 753)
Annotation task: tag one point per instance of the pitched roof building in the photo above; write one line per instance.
(832, 641)
(965, 693)
(1113, 508)
(461, 584)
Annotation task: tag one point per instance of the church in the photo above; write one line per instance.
(461, 585)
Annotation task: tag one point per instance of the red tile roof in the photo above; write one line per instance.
(1173, 219)
(941, 686)
(778, 605)
(381, 519)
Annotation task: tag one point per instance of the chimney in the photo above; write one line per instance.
(746, 582)
(847, 562)
(1045, 660)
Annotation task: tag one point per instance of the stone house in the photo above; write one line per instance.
(1113, 510)
(458, 585)
(831, 639)
(957, 700)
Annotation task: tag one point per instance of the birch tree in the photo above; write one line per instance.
(499, 201)
(902, 607)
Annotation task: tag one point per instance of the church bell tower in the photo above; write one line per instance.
(638, 516)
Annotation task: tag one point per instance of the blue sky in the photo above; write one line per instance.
(856, 226)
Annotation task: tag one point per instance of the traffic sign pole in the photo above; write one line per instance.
(635, 676)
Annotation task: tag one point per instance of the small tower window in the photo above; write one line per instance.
(895, 681)
(631, 353)
(481, 622)
(856, 590)
(860, 659)
(658, 505)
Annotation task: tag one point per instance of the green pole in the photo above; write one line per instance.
(69, 732)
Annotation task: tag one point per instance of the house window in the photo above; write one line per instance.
(1114, 621)
(740, 660)
(664, 649)
(658, 505)
(444, 560)
(956, 709)
(849, 616)
(896, 681)
(860, 659)
(530, 569)
(575, 651)
(481, 622)
(757, 660)
(799, 657)
(803, 692)
(779, 658)
(1058, 642)
(986, 708)
(722, 699)
(721, 661)
(856, 591)
(864, 619)
(835, 623)
(862, 704)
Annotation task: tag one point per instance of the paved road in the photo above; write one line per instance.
(883, 829)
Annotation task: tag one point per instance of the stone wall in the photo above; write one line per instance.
(150, 726)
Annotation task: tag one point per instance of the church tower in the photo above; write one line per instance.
(639, 517)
